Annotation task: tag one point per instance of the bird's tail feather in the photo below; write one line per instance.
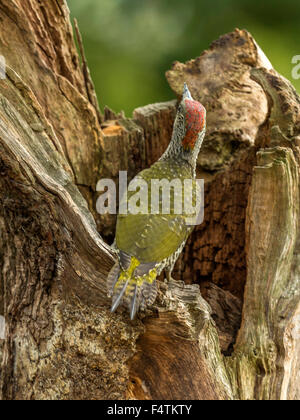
(132, 288)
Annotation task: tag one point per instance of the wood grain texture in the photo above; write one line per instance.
(61, 341)
(178, 356)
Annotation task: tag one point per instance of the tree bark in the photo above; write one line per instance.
(230, 328)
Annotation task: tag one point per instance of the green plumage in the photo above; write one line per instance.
(154, 237)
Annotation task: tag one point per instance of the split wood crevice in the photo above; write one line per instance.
(239, 338)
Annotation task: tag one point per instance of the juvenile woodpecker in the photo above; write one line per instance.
(148, 243)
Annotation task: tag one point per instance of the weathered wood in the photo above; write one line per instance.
(41, 50)
(215, 250)
(89, 85)
(226, 311)
(51, 249)
(269, 340)
(271, 300)
(178, 356)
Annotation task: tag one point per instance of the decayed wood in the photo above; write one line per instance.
(43, 222)
(178, 356)
(272, 294)
(90, 88)
(226, 311)
(37, 43)
(215, 251)
(61, 341)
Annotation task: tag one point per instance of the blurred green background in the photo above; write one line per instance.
(130, 44)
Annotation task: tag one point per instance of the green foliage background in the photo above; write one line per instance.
(131, 43)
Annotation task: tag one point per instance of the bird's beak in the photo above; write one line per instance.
(186, 93)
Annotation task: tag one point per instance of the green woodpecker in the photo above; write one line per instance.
(148, 243)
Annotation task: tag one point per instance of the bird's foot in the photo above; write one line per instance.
(169, 278)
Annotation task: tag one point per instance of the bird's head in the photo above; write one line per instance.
(189, 128)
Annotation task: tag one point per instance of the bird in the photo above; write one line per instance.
(146, 243)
